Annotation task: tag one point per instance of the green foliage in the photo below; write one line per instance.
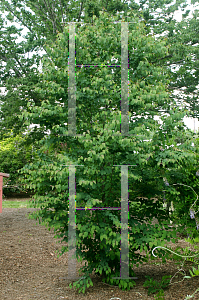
(185, 192)
(44, 20)
(190, 258)
(98, 182)
(182, 38)
(195, 271)
(20, 60)
(83, 283)
(13, 156)
(160, 295)
(155, 286)
(153, 148)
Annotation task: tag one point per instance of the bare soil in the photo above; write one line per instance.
(30, 269)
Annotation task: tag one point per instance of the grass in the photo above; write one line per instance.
(15, 204)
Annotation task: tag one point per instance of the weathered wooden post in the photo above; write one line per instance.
(1, 188)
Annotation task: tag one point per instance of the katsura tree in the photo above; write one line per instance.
(21, 45)
(42, 20)
(152, 148)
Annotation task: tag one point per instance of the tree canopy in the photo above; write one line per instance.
(43, 20)
(152, 148)
(157, 152)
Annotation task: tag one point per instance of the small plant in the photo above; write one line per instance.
(82, 283)
(155, 286)
(160, 295)
(191, 296)
(187, 255)
(193, 242)
(186, 251)
(194, 273)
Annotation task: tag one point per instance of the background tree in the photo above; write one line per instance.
(14, 154)
(182, 38)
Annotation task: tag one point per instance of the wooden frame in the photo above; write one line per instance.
(1, 188)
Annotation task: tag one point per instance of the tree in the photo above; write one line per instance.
(44, 19)
(14, 154)
(182, 38)
(98, 181)
(19, 73)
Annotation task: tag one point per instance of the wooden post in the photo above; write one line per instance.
(1, 188)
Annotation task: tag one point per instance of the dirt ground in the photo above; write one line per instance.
(30, 269)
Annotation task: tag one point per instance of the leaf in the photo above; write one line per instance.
(151, 151)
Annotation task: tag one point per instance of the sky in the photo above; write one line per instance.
(193, 124)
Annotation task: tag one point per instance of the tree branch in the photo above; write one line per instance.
(51, 17)
(62, 13)
(15, 69)
(14, 14)
(81, 8)
(170, 55)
